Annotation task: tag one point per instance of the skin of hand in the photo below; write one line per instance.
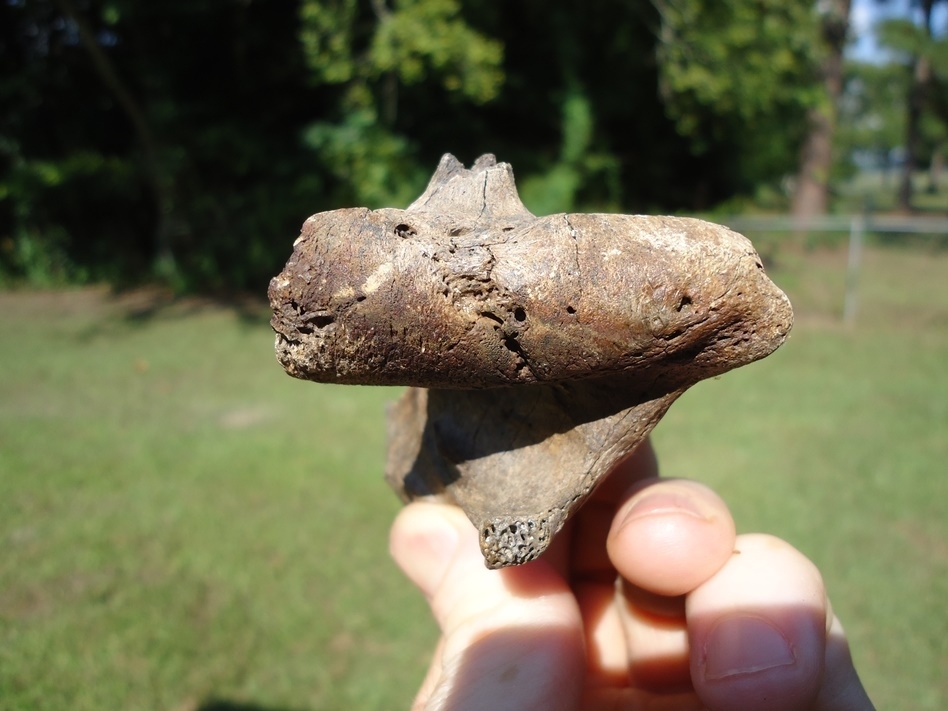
(648, 600)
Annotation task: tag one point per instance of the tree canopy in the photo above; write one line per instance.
(924, 55)
(187, 140)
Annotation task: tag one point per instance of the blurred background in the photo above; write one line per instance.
(184, 527)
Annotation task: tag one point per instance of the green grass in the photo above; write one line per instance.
(182, 522)
(182, 526)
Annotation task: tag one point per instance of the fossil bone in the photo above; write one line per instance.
(539, 351)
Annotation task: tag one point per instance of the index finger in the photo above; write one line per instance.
(588, 558)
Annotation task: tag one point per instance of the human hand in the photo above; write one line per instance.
(647, 600)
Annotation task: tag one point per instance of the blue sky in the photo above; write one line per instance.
(865, 13)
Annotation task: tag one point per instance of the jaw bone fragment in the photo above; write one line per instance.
(539, 351)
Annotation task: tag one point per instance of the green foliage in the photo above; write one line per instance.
(326, 35)
(871, 121)
(911, 43)
(372, 165)
(907, 38)
(925, 56)
(416, 40)
(419, 41)
(42, 194)
(215, 127)
(557, 188)
(429, 36)
(737, 59)
(222, 90)
(39, 259)
(873, 105)
(742, 74)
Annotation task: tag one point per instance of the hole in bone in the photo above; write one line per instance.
(520, 314)
(316, 321)
(513, 345)
(492, 316)
(685, 301)
(404, 231)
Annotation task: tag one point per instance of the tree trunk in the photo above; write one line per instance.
(935, 169)
(811, 196)
(913, 133)
(157, 183)
(918, 93)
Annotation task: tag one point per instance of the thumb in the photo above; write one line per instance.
(511, 638)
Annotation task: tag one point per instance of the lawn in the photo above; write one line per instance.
(184, 527)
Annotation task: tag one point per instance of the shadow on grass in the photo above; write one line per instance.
(106, 311)
(225, 705)
(139, 306)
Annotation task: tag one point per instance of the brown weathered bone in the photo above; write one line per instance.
(540, 351)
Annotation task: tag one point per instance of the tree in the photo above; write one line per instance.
(926, 57)
(208, 129)
(206, 98)
(373, 52)
(811, 194)
(742, 72)
(871, 113)
(154, 172)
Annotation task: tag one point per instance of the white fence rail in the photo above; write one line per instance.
(856, 225)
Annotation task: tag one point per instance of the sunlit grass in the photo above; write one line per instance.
(181, 524)
(181, 521)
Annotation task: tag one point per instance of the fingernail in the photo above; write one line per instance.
(744, 644)
(663, 503)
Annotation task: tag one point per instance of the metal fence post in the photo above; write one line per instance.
(856, 228)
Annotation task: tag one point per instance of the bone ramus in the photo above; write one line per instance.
(539, 351)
